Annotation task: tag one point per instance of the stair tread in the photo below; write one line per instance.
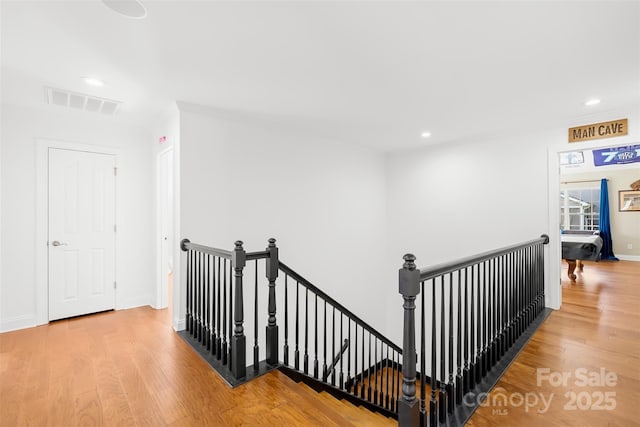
(323, 415)
(357, 414)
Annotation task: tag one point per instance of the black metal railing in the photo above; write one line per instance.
(324, 330)
(321, 339)
(471, 314)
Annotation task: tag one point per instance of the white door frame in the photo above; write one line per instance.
(554, 295)
(162, 294)
(42, 195)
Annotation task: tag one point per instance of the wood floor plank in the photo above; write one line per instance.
(128, 367)
(596, 328)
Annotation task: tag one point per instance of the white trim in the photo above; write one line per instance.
(554, 295)
(179, 325)
(18, 322)
(133, 302)
(628, 257)
(41, 255)
(158, 233)
(178, 310)
(553, 288)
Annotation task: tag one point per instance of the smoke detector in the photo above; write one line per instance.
(129, 8)
(81, 101)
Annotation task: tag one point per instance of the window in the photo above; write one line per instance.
(580, 209)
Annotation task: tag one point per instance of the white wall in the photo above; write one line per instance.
(323, 201)
(450, 201)
(21, 127)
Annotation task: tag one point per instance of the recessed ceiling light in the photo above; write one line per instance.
(592, 102)
(92, 81)
(425, 134)
(129, 8)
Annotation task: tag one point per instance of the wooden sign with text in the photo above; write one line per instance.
(598, 131)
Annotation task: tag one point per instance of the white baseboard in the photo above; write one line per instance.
(628, 257)
(133, 302)
(18, 322)
(179, 325)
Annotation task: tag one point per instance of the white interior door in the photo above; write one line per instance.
(81, 232)
(165, 190)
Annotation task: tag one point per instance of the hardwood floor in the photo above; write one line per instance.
(597, 328)
(129, 368)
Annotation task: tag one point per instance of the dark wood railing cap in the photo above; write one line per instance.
(272, 242)
(239, 244)
(183, 244)
(409, 261)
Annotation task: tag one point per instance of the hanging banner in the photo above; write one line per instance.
(616, 155)
(598, 130)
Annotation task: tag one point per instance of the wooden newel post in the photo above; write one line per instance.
(238, 341)
(272, 327)
(408, 405)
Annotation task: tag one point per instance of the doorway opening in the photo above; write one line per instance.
(165, 230)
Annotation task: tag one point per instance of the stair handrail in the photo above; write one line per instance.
(429, 272)
(526, 304)
(288, 270)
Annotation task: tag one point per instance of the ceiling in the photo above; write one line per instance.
(375, 73)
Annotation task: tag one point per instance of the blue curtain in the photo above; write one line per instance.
(605, 223)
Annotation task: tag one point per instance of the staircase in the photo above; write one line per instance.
(474, 315)
(331, 409)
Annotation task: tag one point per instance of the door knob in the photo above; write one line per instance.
(56, 243)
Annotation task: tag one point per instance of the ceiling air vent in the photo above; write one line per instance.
(81, 101)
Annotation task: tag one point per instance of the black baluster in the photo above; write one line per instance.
(387, 362)
(230, 321)
(214, 327)
(296, 354)
(324, 347)
(472, 332)
(485, 326)
(458, 385)
(355, 359)
(256, 347)
(442, 393)
(200, 297)
(341, 376)
(479, 318)
(503, 305)
(394, 385)
(423, 356)
(369, 397)
(188, 316)
(219, 312)
(362, 385)
(450, 391)
(348, 383)
(207, 308)
(490, 315)
(286, 322)
(272, 264)
(224, 315)
(496, 309)
(197, 335)
(467, 335)
(433, 403)
(333, 346)
(376, 372)
(306, 331)
(315, 327)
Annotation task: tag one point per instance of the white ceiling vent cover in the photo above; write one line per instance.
(81, 101)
